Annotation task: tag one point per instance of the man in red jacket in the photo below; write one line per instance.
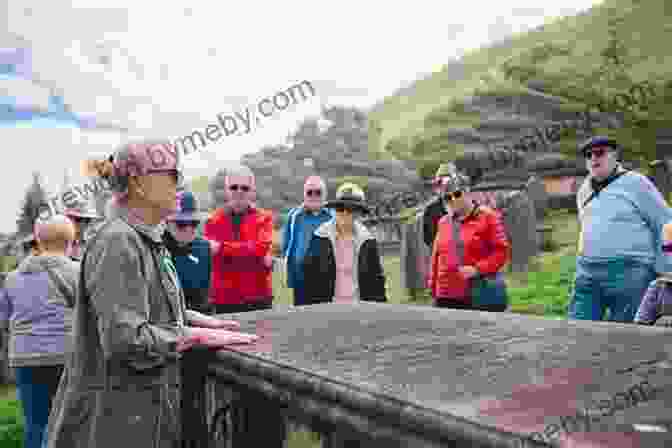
(241, 236)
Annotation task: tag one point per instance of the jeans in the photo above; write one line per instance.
(37, 387)
(299, 295)
(618, 286)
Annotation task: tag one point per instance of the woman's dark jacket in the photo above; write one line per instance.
(319, 266)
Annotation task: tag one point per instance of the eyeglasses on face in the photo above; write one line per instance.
(342, 209)
(315, 193)
(243, 188)
(175, 173)
(186, 224)
(597, 152)
(453, 195)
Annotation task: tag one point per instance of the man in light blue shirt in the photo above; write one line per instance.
(302, 221)
(621, 214)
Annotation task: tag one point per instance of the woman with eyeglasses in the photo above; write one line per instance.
(342, 263)
(123, 381)
(469, 251)
(191, 254)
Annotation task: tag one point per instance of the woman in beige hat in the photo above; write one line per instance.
(343, 263)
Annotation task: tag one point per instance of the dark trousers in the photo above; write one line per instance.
(299, 295)
(37, 387)
(230, 308)
(443, 303)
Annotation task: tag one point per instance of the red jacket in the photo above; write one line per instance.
(239, 274)
(485, 247)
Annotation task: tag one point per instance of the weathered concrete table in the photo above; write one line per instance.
(407, 376)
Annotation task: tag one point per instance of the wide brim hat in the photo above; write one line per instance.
(350, 196)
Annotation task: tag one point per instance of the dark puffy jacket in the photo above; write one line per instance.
(430, 220)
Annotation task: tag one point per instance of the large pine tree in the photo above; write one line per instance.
(35, 197)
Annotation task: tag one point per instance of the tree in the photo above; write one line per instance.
(641, 107)
(35, 197)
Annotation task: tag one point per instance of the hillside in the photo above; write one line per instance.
(441, 115)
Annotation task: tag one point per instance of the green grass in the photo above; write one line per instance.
(647, 29)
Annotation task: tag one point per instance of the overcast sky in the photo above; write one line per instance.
(166, 69)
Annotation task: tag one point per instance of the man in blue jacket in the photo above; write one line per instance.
(301, 222)
(191, 254)
(621, 214)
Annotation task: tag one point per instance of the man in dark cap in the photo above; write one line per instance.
(621, 214)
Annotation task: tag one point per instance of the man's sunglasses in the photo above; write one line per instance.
(314, 193)
(243, 188)
(453, 195)
(185, 224)
(597, 152)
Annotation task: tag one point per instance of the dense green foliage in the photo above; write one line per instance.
(11, 424)
(588, 57)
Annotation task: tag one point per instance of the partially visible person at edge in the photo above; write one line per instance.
(437, 207)
(471, 246)
(302, 222)
(83, 214)
(656, 306)
(621, 214)
(190, 253)
(36, 307)
(241, 236)
(343, 263)
(123, 382)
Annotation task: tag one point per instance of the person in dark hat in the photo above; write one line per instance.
(342, 263)
(190, 253)
(621, 214)
(437, 207)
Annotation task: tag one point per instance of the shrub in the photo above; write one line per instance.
(11, 424)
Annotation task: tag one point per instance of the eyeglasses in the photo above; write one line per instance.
(341, 209)
(597, 152)
(454, 195)
(175, 173)
(185, 224)
(243, 188)
(314, 193)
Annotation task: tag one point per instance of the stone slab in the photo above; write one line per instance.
(504, 372)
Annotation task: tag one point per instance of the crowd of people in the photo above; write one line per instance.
(102, 310)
